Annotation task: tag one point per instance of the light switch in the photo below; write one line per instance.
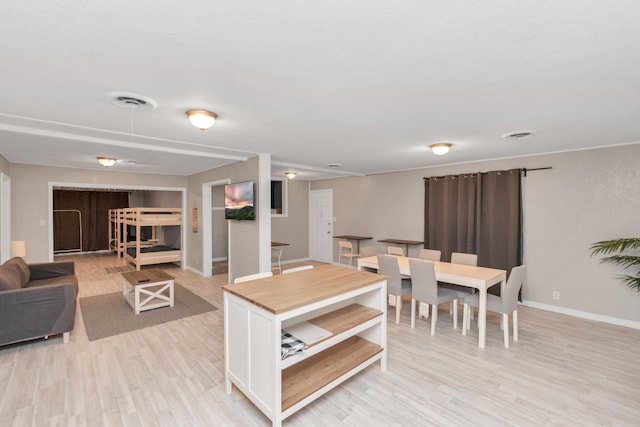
(42, 223)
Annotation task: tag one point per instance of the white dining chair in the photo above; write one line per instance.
(506, 304)
(252, 277)
(424, 288)
(346, 251)
(395, 250)
(397, 286)
(294, 269)
(430, 254)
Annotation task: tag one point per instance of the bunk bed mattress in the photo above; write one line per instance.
(150, 249)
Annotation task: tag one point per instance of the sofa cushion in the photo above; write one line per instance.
(11, 276)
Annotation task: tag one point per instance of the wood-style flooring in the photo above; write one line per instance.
(563, 371)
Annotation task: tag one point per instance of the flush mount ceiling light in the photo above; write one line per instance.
(202, 119)
(440, 149)
(106, 161)
(290, 174)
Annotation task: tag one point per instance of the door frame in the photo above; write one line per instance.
(311, 237)
(207, 230)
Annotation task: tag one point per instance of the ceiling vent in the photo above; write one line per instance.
(334, 165)
(519, 134)
(131, 101)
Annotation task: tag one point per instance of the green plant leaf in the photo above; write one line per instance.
(616, 245)
(623, 260)
(626, 261)
(632, 282)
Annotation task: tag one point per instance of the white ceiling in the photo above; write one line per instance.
(367, 84)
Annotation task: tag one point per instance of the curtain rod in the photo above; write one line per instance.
(522, 170)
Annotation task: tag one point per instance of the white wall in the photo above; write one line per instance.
(294, 228)
(588, 196)
(30, 198)
(244, 246)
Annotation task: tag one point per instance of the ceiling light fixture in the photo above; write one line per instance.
(106, 161)
(202, 119)
(290, 174)
(440, 149)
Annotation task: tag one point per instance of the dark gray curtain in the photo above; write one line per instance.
(94, 206)
(476, 213)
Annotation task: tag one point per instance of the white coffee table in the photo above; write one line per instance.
(147, 289)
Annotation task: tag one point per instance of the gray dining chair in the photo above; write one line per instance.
(464, 259)
(505, 304)
(425, 289)
(395, 250)
(430, 254)
(397, 286)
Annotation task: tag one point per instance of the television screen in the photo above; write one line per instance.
(238, 200)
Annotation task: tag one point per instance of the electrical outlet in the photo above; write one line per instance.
(556, 295)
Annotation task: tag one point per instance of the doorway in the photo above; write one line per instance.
(216, 232)
(321, 225)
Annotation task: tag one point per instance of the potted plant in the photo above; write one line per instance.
(626, 260)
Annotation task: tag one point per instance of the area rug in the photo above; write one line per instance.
(109, 314)
(118, 269)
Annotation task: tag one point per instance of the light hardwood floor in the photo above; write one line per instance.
(563, 371)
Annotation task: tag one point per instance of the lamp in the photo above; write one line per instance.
(290, 174)
(18, 248)
(202, 119)
(440, 149)
(106, 161)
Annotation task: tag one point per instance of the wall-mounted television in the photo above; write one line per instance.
(239, 200)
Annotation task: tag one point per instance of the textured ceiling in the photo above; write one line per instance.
(367, 84)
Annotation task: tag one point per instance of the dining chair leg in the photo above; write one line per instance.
(505, 321)
(413, 313)
(515, 324)
(465, 313)
(398, 308)
(423, 310)
(455, 313)
(434, 318)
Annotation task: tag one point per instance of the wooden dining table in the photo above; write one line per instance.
(480, 278)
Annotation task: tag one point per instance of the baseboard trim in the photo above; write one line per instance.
(583, 314)
(193, 270)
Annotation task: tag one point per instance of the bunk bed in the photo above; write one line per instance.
(116, 242)
(154, 250)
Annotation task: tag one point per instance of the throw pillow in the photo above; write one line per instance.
(23, 268)
(10, 276)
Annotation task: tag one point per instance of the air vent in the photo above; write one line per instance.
(518, 134)
(131, 101)
(334, 165)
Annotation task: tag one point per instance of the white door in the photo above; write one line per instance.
(321, 225)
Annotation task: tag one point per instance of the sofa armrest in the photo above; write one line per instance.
(46, 270)
(35, 312)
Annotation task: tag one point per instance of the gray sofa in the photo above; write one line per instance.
(36, 300)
